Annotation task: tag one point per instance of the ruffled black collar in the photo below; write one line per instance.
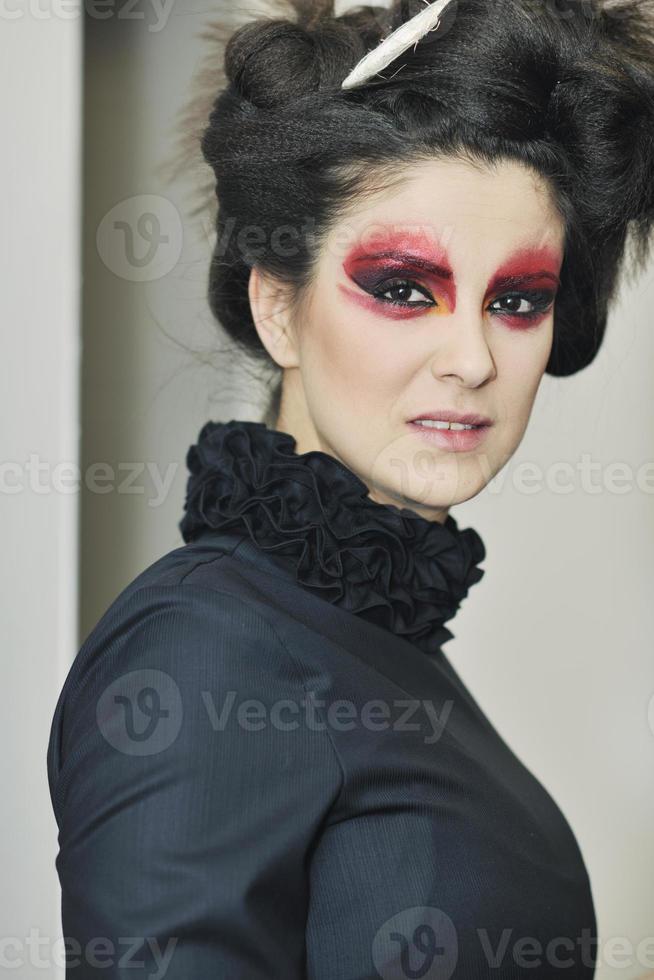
(390, 566)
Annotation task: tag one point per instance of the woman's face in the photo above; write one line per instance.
(434, 298)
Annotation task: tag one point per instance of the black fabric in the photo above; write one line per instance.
(251, 780)
(391, 566)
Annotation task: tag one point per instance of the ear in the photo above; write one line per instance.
(272, 314)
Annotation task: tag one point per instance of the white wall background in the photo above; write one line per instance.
(40, 95)
(555, 642)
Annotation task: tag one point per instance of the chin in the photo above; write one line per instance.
(441, 503)
(432, 503)
(425, 479)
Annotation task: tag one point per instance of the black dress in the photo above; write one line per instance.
(263, 765)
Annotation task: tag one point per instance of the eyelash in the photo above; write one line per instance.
(539, 298)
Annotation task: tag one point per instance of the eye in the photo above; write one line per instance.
(526, 305)
(403, 293)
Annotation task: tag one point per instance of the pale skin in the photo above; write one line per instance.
(356, 372)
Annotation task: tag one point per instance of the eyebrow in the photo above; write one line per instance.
(522, 279)
(413, 258)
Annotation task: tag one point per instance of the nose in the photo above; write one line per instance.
(463, 352)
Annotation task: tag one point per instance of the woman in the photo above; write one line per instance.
(262, 762)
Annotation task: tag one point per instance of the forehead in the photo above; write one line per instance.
(476, 212)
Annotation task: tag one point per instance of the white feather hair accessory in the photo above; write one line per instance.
(396, 43)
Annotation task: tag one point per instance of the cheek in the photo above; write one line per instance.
(357, 358)
(521, 362)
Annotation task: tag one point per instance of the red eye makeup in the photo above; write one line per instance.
(405, 276)
(528, 278)
(400, 264)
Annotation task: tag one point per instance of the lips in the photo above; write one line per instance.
(452, 431)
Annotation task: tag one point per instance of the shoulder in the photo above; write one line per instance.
(186, 626)
(192, 602)
(172, 643)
